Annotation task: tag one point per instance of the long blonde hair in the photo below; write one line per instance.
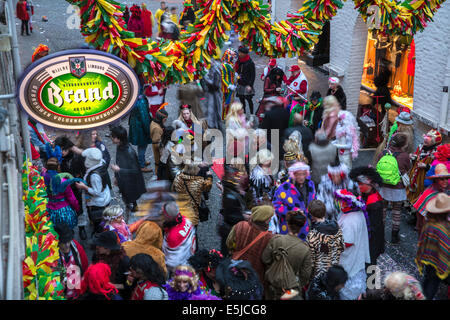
(182, 273)
(233, 112)
(330, 104)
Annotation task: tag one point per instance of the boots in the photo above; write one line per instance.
(395, 237)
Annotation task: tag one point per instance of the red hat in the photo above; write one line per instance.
(294, 68)
(272, 62)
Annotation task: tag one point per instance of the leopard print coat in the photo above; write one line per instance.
(325, 249)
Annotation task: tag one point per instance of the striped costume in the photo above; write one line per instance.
(434, 248)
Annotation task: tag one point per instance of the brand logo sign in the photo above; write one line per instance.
(78, 89)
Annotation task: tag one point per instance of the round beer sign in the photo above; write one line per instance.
(78, 89)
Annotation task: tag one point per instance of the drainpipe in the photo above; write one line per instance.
(445, 98)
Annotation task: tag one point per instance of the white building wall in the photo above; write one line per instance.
(432, 54)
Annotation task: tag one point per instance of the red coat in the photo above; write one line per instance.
(21, 11)
(81, 255)
(146, 23)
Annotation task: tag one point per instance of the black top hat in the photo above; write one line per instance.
(107, 239)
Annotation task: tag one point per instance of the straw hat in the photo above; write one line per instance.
(440, 171)
(439, 204)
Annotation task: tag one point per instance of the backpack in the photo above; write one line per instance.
(280, 273)
(387, 168)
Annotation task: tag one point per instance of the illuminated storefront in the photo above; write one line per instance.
(399, 53)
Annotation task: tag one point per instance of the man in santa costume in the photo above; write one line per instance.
(297, 82)
(155, 93)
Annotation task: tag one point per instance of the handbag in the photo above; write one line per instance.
(203, 210)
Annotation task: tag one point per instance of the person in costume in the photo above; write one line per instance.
(294, 194)
(147, 21)
(148, 240)
(212, 83)
(98, 143)
(192, 185)
(298, 255)
(233, 205)
(72, 258)
(422, 159)
(314, 110)
(324, 153)
(396, 193)
(272, 83)
(238, 280)
(261, 178)
(245, 68)
(297, 88)
(325, 239)
(335, 179)
(328, 285)
(22, 15)
(289, 159)
(353, 221)
(62, 204)
(127, 170)
(108, 250)
(139, 130)
(135, 23)
(155, 93)
(126, 15)
(397, 286)
(244, 233)
(113, 221)
(335, 89)
(169, 29)
(156, 132)
(229, 80)
(330, 116)
(41, 51)
(439, 175)
(188, 118)
(184, 284)
(304, 136)
(369, 182)
(188, 15)
(347, 137)
(173, 15)
(163, 8)
(179, 236)
(272, 64)
(433, 258)
(96, 193)
(96, 284)
(190, 94)
(205, 264)
(403, 124)
(149, 278)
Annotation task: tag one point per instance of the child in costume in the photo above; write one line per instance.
(113, 221)
(314, 111)
(353, 221)
(347, 137)
(184, 284)
(337, 178)
(229, 80)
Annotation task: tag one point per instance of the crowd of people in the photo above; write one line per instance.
(306, 230)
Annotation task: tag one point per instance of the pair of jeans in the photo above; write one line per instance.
(249, 99)
(141, 155)
(24, 27)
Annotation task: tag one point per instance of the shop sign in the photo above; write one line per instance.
(78, 89)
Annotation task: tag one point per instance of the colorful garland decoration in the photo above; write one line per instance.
(40, 279)
(189, 58)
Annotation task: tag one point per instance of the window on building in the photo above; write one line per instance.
(396, 53)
